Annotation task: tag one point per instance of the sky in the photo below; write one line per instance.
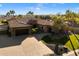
(38, 8)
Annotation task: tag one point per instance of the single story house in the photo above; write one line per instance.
(27, 23)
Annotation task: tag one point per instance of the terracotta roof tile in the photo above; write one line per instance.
(24, 22)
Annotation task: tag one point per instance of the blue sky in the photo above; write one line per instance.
(38, 8)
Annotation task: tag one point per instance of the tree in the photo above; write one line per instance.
(47, 17)
(57, 23)
(67, 11)
(12, 12)
(30, 13)
(70, 15)
(8, 14)
(36, 16)
(19, 16)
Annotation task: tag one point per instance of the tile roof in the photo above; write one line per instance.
(25, 22)
(16, 23)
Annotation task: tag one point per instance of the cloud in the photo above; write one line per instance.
(38, 8)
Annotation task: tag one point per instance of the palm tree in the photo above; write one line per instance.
(68, 14)
(67, 11)
(30, 13)
(8, 14)
(12, 12)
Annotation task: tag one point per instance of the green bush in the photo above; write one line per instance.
(4, 21)
(47, 39)
(55, 39)
(34, 30)
(63, 40)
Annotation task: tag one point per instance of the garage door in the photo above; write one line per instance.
(22, 32)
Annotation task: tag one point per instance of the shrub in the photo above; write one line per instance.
(63, 40)
(47, 39)
(55, 39)
(4, 21)
(34, 30)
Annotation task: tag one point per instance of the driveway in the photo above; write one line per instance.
(27, 46)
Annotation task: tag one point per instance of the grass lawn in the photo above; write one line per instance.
(74, 42)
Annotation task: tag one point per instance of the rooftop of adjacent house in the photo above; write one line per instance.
(72, 23)
(17, 23)
(26, 22)
(5, 17)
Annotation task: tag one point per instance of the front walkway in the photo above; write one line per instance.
(23, 46)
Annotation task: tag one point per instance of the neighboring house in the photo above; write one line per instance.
(70, 22)
(73, 25)
(28, 23)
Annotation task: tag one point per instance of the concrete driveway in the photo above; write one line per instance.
(30, 46)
